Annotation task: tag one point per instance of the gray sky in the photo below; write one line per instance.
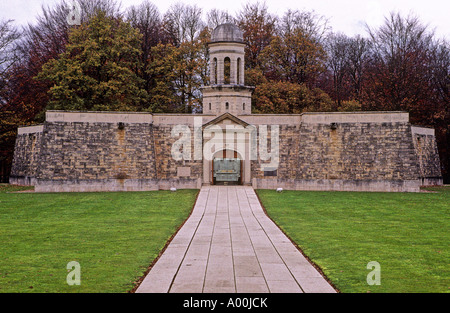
(347, 16)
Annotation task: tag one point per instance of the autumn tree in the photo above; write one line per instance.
(290, 64)
(188, 69)
(47, 38)
(162, 97)
(258, 27)
(174, 55)
(179, 72)
(295, 53)
(44, 40)
(287, 98)
(406, 72)
(96, 71)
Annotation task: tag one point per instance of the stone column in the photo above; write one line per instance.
(241, 71)
(233, 71)
(220, 71)
(212, 69)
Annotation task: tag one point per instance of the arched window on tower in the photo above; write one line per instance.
(238, 71)
(226, 70)
(227, 106)
(215, 71)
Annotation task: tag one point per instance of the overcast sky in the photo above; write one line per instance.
(347, 16)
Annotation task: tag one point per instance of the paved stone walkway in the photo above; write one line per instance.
(229, 245)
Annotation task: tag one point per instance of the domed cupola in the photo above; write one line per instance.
(227, 33)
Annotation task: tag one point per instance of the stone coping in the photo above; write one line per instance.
(354, 117)
(177, 118)
(30, 129)
(256, 119)
(419, 130)
(98, 117)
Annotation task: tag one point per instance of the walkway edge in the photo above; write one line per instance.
(139, 281)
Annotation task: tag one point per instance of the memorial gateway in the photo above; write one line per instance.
(226, 144)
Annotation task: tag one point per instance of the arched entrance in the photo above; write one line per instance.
(227, 168)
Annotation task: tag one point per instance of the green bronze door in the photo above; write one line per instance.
(227, 170)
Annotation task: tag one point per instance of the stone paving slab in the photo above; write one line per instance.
(229, 245)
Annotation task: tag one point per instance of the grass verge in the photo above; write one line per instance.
(114, 236)
(406, 233)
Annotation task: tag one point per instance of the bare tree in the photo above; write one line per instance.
(358, 55)
(400, 55)
(338, 46)
(112, 8)
(8, 38)
(440, 66)
(311, 24)
(216, 17)
(147, 19)
(183, 23)
(8, 53)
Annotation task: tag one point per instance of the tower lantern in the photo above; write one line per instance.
(226, 91)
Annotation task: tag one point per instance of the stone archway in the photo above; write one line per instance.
(227, 168)
(227, 136)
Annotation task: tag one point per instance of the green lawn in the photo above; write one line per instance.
(113, 236)
(406, 233)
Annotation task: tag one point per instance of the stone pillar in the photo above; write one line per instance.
(233, 74)
(241, 71)
(212, 70)
(220, 71)
(238, 71)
